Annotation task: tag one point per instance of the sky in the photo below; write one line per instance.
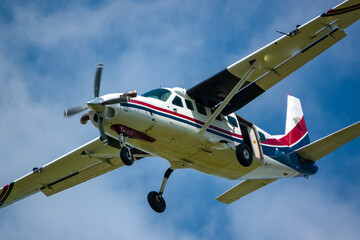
(49, 51)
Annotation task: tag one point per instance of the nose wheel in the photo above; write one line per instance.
(126, 156)
(125, 153)
(155, 199)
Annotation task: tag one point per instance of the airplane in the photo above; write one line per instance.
(198, 128)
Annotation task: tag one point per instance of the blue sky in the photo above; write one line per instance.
(48, 55)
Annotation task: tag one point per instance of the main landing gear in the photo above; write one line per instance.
(244, 155)
(155, 199)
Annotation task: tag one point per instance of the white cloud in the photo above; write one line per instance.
(297, 209)
(178, 43)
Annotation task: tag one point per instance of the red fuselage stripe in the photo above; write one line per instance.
(183, 116)
(292, 137)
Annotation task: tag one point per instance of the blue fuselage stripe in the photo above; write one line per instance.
(276, 152)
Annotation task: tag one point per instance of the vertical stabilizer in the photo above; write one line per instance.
(294, 113)
(296, 134)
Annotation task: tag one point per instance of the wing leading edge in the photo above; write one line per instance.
(277, 60)
(86, 162)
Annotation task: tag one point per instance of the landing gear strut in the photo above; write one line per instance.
(155, 199)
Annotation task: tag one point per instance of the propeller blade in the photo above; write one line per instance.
(97, 80)
(120, 99)
(103, 136)
(72, 111)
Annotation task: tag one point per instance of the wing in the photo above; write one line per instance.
(243, 189)
(277, 60)
(320, 148)
(88, 161)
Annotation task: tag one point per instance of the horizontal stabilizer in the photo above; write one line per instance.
(243, 189)
(320, 148)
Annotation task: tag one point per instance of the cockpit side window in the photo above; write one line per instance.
(160, 94)
(177, 101)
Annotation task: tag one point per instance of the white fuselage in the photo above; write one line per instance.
(175, 130)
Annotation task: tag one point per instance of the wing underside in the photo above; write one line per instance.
(88, 161)
(277, 60)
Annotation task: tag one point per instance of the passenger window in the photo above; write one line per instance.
(201, 109)
(232, 121)
(262, 136)
(218, 117)
(177, 101)
(189, 105)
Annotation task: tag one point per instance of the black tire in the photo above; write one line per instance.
(244, 155)
(126, 157)
(156, 202)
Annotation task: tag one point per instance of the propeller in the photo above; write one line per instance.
(75, 110)
(98, 104)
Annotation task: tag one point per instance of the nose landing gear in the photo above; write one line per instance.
(125, 154)
(155, 199)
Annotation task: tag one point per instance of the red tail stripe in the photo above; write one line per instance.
(295, 134)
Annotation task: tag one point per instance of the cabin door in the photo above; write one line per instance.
(251, 138)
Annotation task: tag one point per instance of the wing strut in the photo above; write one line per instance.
(218, 110)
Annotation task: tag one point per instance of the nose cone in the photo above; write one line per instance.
(96, 104)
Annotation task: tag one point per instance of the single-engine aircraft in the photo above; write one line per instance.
(198, 129)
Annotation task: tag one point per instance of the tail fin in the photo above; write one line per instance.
(296, 134)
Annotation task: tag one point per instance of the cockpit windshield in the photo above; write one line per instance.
(159, 93)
